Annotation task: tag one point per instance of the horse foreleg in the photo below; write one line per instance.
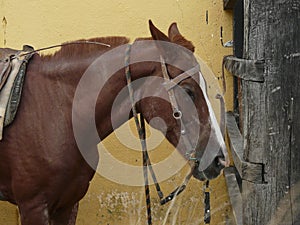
(73, 216)
(65, 216)
(33, 214)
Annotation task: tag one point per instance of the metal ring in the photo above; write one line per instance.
(182, 131)
(177, 114)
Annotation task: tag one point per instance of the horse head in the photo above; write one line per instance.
(179, 107)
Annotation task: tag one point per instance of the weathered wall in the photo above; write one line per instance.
(44, 23)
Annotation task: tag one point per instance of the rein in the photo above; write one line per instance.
(140, 125)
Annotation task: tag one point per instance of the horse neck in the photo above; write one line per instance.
(113, 107)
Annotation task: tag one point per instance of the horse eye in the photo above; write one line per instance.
(190, 93)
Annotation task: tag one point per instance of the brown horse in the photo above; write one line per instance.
(49, 153)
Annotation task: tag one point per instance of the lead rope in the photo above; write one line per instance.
(140, 125)
(207, 215)
(145, 172)
(141, 133)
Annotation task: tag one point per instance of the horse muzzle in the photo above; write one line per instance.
(212, 171)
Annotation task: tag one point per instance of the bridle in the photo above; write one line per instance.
(169, 85)
(140, 125)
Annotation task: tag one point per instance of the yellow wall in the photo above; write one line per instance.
(44, 23)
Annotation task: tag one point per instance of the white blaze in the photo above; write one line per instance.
(216, 141)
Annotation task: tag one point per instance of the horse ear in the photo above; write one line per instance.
(165, 50)
(156, 33)
(173, 31)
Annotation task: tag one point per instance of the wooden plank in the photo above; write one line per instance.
(253, 200)
(251, 70)
(234, 195)
(254, 94)
(271, 119)
(248, 171)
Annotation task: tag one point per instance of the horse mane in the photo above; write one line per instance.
(80, 48)
(177, 39)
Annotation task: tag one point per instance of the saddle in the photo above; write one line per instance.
(6, 56)
(12, 72)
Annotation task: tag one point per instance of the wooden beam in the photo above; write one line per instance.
(252, 172)
(251, 70)
(271, 118)
(235, 195)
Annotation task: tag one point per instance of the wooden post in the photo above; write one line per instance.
(271, 112)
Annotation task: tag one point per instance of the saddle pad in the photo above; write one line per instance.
(5, 68)
(6, 91)
(15, 95)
